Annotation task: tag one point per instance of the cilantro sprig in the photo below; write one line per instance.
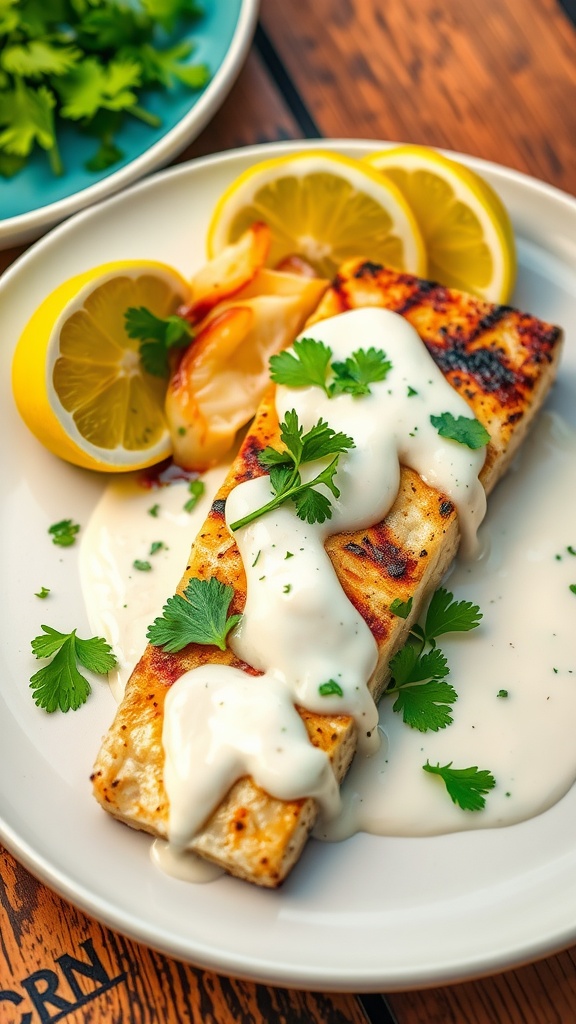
(466, 787)
(60, 684)
(464, 429)
(419, 669)
(200, 617)
(157, 335)
(86, 63)
(320, 442)
(309, 365)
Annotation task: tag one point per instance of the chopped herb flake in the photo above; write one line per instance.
(331, 688)
(141, 565)
(64, 533)
(196, 488)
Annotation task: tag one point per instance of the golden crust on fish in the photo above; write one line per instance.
(502, 362)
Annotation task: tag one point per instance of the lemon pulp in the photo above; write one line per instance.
(324, 207)
(77, 376)
(466, 228)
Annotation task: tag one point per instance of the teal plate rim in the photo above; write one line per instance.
(221, 39)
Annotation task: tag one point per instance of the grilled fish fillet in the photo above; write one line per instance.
(502, 362)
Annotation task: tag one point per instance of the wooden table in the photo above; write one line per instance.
(497, 79)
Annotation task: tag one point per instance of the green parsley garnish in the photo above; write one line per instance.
(157, 335)
(401, 608)
(502, 693)
(200, 617)
(59, 684)
(141, 565)
(463, 429)
(309, 365)
(284, 467)
(331, 688)
(573, 588)
(418, 675)
(85, 64)
(571, 550)
(465, 786)
(196, 489)
(42, 593)
(64, 532)
(411, 392)
(153, 511)
(156, 545)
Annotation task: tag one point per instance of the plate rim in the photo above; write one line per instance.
(80, 895)
(27, 226)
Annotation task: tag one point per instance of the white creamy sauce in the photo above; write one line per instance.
(121, 600)
(300, 630)
(184, 865)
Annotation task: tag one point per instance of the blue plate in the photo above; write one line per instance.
(35, 198)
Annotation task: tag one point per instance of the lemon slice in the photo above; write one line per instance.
(467, 230)
(324, 207)
(77, 377)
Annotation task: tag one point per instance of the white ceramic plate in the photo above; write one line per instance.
(35, 199)
(365, 914)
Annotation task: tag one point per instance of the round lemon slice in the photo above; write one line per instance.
(324, 207)
(77, 377)
(466, 228)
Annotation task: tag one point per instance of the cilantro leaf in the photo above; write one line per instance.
(168, 12)
(282, 476)
(401, 608)
(95, 654)
(200, 616)
(105, 156)
(319, 442)
(322, 441)
(39, 57)
(463, 429)
(59, 684)
(307, 367)
(28, 118)
(409, 665)
(157, 335)
(91, 85)
(427, 706)
(361, 369)
(313, 506)
(466, 786)
(71, 60)
(445, 615)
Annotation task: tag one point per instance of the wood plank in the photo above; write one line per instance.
(495, 79)
(542, 993)
(54, 960)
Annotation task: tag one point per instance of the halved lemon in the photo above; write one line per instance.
(466, 228)
(324, 207)
(77, 377)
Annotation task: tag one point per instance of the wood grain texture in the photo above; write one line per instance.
(542, 993)
(57, 962)
(495, 78)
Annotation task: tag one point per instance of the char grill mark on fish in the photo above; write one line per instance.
(406, 556)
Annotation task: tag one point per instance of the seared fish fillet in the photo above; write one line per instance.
(502, 362)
